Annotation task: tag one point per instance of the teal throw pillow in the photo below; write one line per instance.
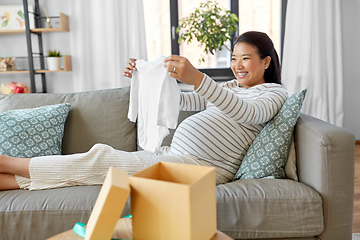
(33, 132)
(268, 154)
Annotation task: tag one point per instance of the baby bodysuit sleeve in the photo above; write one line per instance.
(169, 103)
(134, 92)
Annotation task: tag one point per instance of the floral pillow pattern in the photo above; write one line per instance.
(268, 154)
(28, 133)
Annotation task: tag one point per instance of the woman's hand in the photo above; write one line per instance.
(130, 68)
(181, 69)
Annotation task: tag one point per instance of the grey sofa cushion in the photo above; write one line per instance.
(41, 212)
(46, 213)
(253, 208)
(95, 117)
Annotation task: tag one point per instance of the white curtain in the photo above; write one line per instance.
(312, 57)
(103, 36)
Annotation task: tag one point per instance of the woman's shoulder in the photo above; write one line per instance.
(264, 87)
(272, 89)
(230, 83)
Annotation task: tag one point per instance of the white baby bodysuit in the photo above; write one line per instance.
(154, 101)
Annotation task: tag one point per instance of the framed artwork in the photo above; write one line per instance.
(12, 17)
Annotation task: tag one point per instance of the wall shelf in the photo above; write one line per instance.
(64, 27)
(66, 63)
(38, 31)
(36, 71)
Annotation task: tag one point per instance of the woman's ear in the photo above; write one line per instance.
(267, 61)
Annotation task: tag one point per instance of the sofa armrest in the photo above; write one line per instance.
(325, 161)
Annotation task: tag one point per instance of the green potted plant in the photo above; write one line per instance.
(212, 26)
(54, 60)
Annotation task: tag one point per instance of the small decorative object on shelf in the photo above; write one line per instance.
(12, 17)
(48, 20)
(54, 60)
(14, 87)
(7, 64)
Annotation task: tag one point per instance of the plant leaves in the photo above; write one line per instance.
(212, 26)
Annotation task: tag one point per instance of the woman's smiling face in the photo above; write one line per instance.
(247, 65)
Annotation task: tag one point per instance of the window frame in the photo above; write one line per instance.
(218, 74)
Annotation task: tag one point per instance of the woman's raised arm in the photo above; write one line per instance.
(181, 69)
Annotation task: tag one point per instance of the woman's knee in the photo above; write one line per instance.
(102, 150)
(100, 146)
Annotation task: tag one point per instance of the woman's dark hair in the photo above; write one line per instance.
(265, 47)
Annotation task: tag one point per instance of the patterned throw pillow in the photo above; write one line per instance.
(268, 154)
(33, 132)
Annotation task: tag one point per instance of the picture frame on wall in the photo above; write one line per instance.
(12, 17)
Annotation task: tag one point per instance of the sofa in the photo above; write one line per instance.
(317, 206)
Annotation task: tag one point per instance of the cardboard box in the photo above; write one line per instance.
(109, 205)
(174, 201)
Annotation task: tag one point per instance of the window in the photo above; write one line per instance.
(157, 28)
(193, 51)
(161, 20)
(263, 16)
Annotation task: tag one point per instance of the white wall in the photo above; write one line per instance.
(15, 45)
(351, 65)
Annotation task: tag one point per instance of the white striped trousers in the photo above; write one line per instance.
(90, 168)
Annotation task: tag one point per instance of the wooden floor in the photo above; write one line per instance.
(356, 222)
